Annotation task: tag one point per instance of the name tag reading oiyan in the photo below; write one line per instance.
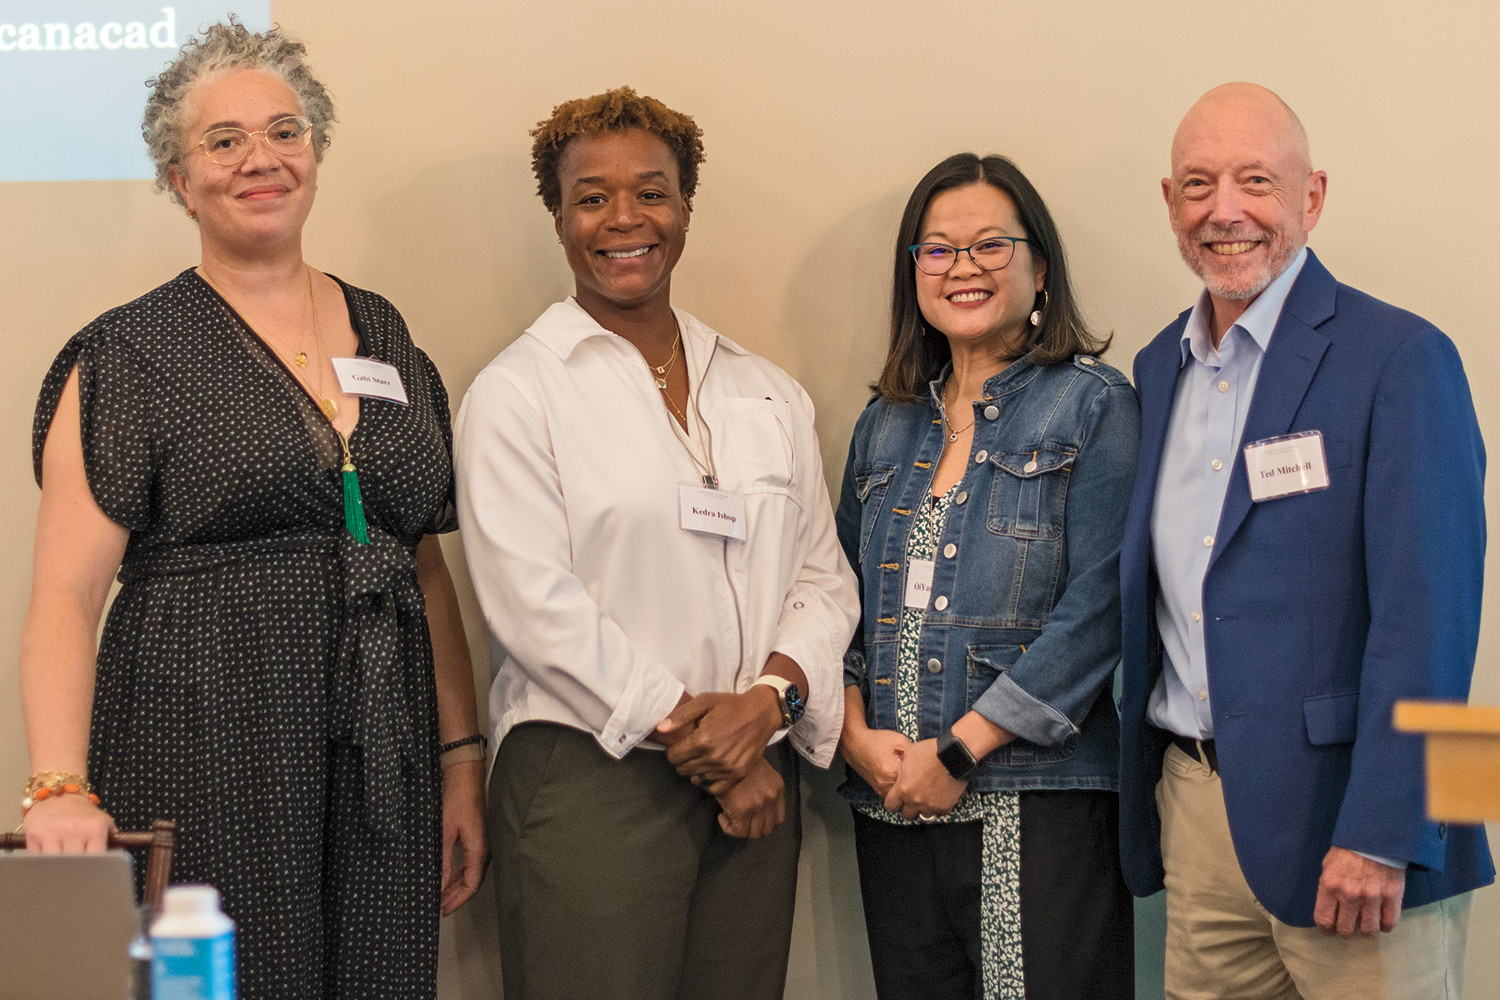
(371, 378)
(711, 512)
(1286, 466)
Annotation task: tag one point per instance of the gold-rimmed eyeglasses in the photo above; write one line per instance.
(228, 145)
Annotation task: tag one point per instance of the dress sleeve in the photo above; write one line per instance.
(116, 392)
(447, 519)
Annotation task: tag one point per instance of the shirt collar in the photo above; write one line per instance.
(565, 325)
(1258, 320)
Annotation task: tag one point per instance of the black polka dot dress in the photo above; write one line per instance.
(264, 679)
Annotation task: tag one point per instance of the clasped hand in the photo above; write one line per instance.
(718, 741)
(923, 787)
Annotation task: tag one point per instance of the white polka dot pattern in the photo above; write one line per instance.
(262, 678)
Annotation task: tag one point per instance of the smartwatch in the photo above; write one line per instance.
(788, 698)
(955, 756)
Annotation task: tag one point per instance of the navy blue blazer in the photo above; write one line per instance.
(1322, 609)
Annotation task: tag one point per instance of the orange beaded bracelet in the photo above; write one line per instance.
(47, 784)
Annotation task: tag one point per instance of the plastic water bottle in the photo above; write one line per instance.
(192, 947)
(140, 957)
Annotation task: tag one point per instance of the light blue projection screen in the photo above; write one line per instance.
(72, 80)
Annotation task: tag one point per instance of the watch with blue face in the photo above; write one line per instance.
(788, 698)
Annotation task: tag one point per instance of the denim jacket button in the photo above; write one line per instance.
(941, 604)
(950, 550)
(980, 456)
(934, 666)
(991, 412)
(962, 498)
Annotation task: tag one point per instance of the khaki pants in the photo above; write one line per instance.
(1221, 943)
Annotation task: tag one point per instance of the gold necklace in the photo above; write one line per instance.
(662, 370)
(329, 406)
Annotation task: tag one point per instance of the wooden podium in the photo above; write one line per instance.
(1463, 757)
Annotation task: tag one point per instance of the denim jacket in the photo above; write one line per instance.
(1023, 620)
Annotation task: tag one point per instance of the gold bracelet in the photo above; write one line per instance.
(461, 755)
(49, 784)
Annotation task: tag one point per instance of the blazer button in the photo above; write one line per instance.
(941, 604)
(934, 666)
(1442, 831)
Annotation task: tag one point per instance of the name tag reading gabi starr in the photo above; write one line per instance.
(711, 512)
(919, 583)
(1286, 466)
(371, 378)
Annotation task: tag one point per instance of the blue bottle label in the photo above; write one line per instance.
(193, 968)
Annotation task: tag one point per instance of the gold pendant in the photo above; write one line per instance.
(330, 408)
(301, 359)
(661, 383)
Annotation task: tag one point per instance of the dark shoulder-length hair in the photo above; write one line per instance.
(917, 352)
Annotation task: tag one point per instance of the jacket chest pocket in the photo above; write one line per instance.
(871, 488)
(1029, 494)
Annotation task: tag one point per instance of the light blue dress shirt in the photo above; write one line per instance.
(1214, 389)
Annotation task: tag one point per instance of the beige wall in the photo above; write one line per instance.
(819, 118)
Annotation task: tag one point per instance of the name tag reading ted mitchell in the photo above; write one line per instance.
(368, 377)
(1285, 466)
(711, 512)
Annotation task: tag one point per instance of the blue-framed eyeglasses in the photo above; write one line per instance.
(991, 253)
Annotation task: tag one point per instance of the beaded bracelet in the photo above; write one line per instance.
(47, 784)
(480, 738)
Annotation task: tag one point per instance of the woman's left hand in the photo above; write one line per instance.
(923, 785)
(463, 825)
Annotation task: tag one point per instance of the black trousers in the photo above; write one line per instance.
(921, 899)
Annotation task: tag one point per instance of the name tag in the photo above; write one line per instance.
(368, 377)
(711, 512)
(1285, 466)
(919, 582)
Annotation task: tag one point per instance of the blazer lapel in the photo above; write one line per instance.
(1290, 363)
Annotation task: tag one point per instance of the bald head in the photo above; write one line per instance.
(1246, 111)
(1243, 194)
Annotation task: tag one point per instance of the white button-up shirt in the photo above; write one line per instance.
(1214, 391)
(602, 611)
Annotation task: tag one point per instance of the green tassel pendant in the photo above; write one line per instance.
(354, 506)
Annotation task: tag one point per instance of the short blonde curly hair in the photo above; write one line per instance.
(614, 110)
(224, 48)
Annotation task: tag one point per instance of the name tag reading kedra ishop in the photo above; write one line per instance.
(368, 377)
(711, 512)
(1286, 466)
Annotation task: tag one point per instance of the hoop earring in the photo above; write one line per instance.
(190, 213)
(1036, 314)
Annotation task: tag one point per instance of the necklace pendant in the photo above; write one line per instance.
(301, 359)
(661, 383)
(953, 437)
(329, 407)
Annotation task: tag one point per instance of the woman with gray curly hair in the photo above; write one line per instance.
(263, 455)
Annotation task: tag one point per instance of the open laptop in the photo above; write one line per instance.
(66, 923)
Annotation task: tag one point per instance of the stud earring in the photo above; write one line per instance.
(190, 213)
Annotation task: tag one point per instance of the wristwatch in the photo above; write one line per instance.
(956, 756)
(788, 698)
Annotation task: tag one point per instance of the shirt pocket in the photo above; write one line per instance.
(758, 444)
(1029, 495)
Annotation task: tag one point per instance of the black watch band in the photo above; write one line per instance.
(956, 756)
